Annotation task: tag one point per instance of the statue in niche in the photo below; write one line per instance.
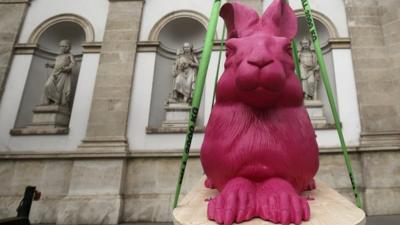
(57, 90)
(309, 69)
(184, 75)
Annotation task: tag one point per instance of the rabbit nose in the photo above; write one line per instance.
(260, 62)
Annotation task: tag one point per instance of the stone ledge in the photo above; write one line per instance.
(126, 0)
(92, 47)
(104, 144)
(325, 126)
(134, 154)
(30, 49)
(371, 141)
(15, 1)
(183, 130)
(171, 130)
(39, 131)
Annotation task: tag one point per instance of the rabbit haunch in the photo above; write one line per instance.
(259, 148)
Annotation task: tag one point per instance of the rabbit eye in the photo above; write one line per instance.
(233, 34)
(230, 50)
(289, 49)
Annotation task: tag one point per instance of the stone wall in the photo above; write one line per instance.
(102, 183)
(374, 28)
(374, 33)
(12, 13)
(79, 189)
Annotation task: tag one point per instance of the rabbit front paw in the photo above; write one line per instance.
(236, 203)
(209, 184)
(310, 186)
(279, 203)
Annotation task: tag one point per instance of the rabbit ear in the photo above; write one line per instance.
(239, 19)
(280, 19)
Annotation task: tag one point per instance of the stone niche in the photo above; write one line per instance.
(33, 117)
(319, 109)
(168, 117)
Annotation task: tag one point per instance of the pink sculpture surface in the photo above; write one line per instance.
(259, 149)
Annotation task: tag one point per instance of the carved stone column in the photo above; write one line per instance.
(107, 126)
(12, 14)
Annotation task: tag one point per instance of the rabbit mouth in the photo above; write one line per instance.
(257, 172)
(259, 97)
(257, 87)
(263, 79)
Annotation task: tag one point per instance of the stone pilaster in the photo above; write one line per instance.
(96, 186)
(12, 14)
(107, 126)
(374, 28)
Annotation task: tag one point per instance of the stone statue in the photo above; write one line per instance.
(57, 90)
(309, 70)
(184, 75)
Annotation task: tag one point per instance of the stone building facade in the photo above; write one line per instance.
(115, 164)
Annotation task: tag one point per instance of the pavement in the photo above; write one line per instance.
(383, 220)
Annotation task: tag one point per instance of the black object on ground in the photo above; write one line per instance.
(24, 208)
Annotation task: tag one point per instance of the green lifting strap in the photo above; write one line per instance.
(201, 79)
(221, 49)
(329, 92)
(198, 92)
(296, 59)
(295, 56)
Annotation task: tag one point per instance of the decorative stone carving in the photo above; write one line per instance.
(309, 70)
(316, 113)
(47, 119)
(52, 116)
(184, 76)
(58, 85)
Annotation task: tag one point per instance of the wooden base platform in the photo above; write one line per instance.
(328, 208)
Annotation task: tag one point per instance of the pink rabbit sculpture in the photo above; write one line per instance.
(259, 148)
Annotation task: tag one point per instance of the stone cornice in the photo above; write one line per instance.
(372, 141)
(126, 0)
(339, 43)
(132, 154)
(91, 47)
(30, 49)
(333, 43)
(15, 1)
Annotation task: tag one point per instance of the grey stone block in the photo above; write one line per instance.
(333, 171)
(95, 209)
(153, 208)
(382, 201)
(96, 177)
(381, 170)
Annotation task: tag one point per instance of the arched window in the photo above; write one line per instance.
(326, 32)
(46, 39)
(171, 32)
